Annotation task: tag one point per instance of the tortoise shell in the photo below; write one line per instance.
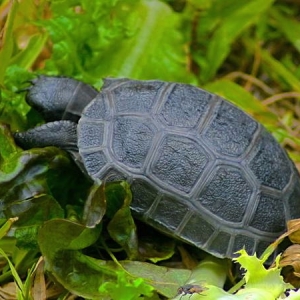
(200, 169)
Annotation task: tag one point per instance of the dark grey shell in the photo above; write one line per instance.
(200, 169)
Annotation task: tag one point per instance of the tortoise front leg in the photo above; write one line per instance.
(62, 134)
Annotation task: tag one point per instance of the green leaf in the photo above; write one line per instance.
(143, 54)
(129, 289)
(95, 206)
(28, 56)
(6, 227)
(60, 243)
(264, 282)
(13, 270)
(60, 234)
(26, 237)
(122, 226)
(223, 28)
(136, 39)
(165, 280)
(7, 49)
(119, 195)
(243, 99)
(279, 72)
(22, 177)
(154, 246)
(123, 230)
(22, 41)
(210, 276)
(288, 26)
(25, 187)
(23, 289)
(7, 143)
(13, 108)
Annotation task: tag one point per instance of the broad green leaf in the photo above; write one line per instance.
(95, 206)
(67, 236)
(154, 246)
(60, 242)
(165, 280)
(122, 227)
(39, 209)
(25, 187)
(22, 175)
(117, 196)
(123, 230)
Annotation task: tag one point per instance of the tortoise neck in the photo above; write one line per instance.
(82, 96)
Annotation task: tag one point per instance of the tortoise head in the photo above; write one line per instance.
(58, 98)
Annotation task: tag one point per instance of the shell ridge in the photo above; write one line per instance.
(184, 221)
(113, 83)
(147, 215)
(162, 96)
(213, 108)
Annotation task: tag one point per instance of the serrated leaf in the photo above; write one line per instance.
(259, 279)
